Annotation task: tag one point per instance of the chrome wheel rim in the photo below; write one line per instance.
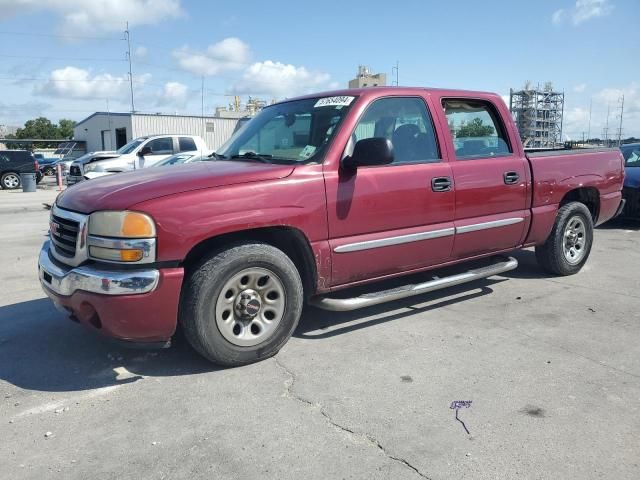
(575, 240)
(250, 307)
(11, 180)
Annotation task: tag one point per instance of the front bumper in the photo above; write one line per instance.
(73, 179)
(134, 305)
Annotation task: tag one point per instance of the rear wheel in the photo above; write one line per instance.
(569, 244)
(10, 181)
(242, 304)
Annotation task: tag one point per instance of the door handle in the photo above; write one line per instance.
(511, 177)
(441, 184)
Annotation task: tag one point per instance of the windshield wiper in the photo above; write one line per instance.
(264, 158)
(217, 156)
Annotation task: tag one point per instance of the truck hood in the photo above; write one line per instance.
(632, 177)
(122, 190)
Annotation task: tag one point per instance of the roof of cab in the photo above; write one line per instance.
(381, 91)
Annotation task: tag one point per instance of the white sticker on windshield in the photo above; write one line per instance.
(307, 151)
(343, 101)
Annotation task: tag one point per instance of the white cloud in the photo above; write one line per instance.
(582, 11)
(581, 87)
(228, 54)
(77, 83)
(140, 52)
(174, 94)
(280, 80)
(82, 16)
(576, 118)
(558, 16)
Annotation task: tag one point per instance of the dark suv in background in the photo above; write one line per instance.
(12, 164)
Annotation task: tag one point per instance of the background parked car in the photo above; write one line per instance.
(12, 164)
(180, 158)
(47, 165)
(139, 153)
(631, 190)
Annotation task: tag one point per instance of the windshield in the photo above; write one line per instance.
(131, 146)
(174, 159)
(631, 154)
(290, 132)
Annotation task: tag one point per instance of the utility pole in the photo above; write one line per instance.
(621, 113)
(128, 38)
(395, 68)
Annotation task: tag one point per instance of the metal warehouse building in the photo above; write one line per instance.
(110, 131)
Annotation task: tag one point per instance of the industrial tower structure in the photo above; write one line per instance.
(538, 115)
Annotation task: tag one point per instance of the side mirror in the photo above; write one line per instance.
(146, 150)
(370, 152)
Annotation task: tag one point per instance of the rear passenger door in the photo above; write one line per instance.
(490, 179)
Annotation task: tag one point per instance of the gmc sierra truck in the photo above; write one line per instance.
(314, 195)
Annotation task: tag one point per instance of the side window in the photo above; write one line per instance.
(476, 128)
(187, 144)
(407, 123)
(161, 146)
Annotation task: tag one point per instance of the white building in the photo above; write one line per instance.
(110, 131)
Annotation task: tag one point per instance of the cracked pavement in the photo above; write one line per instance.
(552, 366)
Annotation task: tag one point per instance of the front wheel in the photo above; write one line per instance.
(242, 304)
(567, 249)
(10, 181)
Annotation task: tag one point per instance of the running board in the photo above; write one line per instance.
(504, 264)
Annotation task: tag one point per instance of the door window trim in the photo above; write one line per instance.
(495, 116)
(440, 158)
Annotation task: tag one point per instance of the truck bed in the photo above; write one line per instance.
(552, 152)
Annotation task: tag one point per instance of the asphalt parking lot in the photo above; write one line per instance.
(551, 366)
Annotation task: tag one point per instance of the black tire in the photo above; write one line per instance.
(49, 171)
(551, 255)
(203, 289)
(39, 177)
(7, 181)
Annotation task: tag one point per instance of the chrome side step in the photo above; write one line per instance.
(504, 264)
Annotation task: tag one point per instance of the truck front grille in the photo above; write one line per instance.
(75, 171)
(64, 235)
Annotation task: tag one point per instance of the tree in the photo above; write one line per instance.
(475, 128)
(65, 128)
(41, 127)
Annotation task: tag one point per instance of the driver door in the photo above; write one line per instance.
(392, 218)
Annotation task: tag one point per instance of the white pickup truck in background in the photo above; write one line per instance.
(139, 153)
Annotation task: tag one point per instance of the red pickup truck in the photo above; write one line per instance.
(314, 195)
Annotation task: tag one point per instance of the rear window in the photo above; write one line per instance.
(476, 129)
(187, 144)
(17, 156)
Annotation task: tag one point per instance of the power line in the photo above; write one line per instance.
(51, 35)
(80, 59)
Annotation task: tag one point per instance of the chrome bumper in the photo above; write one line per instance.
(65, 281)
(73, 179)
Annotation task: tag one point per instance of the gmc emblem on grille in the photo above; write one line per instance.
(53, 227)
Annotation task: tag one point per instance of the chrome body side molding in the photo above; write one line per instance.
(486, 225)
(398, 240)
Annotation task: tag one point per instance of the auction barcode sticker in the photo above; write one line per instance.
(343, 100)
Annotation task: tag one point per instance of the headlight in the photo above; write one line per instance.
(122, 237)
(92, 167)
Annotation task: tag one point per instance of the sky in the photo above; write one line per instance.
(67, 58)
